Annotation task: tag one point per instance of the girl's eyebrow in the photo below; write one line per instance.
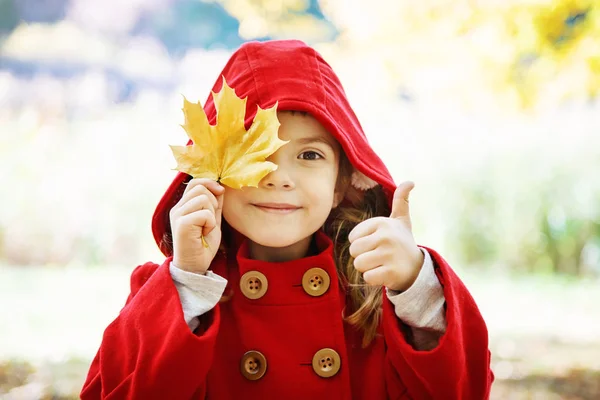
(315, 139)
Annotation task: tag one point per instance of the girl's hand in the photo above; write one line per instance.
(384, 249)
(197, 214)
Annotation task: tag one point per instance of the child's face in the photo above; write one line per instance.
(293, 202)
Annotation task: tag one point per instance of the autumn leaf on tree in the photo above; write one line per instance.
(226, 152)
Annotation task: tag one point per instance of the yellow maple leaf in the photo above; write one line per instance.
(226, 152)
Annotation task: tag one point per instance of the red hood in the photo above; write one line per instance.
(296, 76)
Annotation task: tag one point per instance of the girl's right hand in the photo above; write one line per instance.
(198, 213)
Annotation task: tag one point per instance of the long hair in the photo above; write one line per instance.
(365, 305)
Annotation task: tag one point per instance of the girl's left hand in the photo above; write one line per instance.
(384, 248)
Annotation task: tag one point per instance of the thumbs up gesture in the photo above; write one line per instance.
(384, 249)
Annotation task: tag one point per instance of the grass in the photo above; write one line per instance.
(56, 314)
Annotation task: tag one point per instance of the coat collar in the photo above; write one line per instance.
(285, 278)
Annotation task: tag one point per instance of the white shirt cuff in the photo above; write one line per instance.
(421, 306)
(198, 293)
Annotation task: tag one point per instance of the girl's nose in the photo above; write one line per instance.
(278, 179)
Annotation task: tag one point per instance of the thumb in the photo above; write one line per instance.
(400, 207)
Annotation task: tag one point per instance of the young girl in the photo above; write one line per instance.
(311, 285)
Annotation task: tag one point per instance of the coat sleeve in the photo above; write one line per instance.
(458, 367)
(149, 351)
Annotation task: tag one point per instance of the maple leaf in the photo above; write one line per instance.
(226, 152)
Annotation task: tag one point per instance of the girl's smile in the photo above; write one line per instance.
(277, 208)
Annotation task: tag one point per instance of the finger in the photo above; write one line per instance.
(368, 261)
(400, 207)
(365, 228)
(195, 191)
(197, 181)
(197, 199)
(202, 202)
(219, 209)
(363, 244)
(377, 276)
(201, 218)
(214, 187)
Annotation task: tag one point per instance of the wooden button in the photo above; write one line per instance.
(253, 365)
(254, 285)
(316, 281)
(326, 363)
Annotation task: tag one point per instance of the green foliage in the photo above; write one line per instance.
(530, 213)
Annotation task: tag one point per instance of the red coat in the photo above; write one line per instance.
(149, 352)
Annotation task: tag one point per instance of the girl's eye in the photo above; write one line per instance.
(310, 155)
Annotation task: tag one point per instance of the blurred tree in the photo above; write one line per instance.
(191, 23)
(13, 12)
(9, 17)
(47, 11)
(525, 52)
(228, 23)
(562, 50)
(302, 19)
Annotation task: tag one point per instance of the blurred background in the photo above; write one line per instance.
(491, 106)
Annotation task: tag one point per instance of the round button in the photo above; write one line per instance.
(254, 285)
(253, 365)
(316, 281)
(326, 363)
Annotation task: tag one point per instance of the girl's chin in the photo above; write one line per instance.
(278, 240)
(275, 242)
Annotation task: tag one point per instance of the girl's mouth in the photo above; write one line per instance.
(277, 208)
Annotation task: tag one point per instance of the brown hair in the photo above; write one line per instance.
(365, 301)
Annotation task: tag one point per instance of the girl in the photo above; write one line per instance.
(312, 284)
